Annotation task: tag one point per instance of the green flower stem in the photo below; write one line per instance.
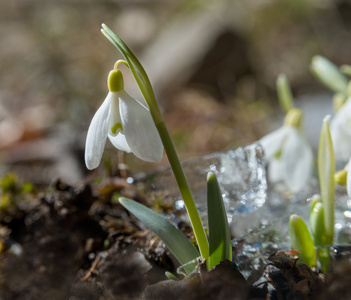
(177, 169)
(146, 89)
(284, 93)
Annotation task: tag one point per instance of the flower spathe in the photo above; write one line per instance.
(126, 122)
(289, 155)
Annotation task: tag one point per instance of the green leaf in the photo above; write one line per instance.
(219, 234)
(326, 171)
(301, 240)
(320, 236)
(316, 220)
(174, 239)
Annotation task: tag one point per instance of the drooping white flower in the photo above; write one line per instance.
(126, 122)
(289, 155)
(340, 128)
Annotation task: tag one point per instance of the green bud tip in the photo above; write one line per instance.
(294, 118)
(115, 78)
(339, 100)
(340, 177)
(294, 218)
(211, 176)
(115, 81)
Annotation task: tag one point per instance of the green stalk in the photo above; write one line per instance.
(183, 185)
(285, 97)
(149, 96)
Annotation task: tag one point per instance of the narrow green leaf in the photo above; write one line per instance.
(174, 239)
(301, 240)
(319, 234)
(219, 234)
(326, 171)
(317, 225)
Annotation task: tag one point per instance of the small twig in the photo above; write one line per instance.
(91, 270)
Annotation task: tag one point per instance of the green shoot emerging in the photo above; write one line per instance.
(219, 234)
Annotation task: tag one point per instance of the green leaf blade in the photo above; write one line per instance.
(219, 234)
(173, 238)
(326, 171)
(301, 240)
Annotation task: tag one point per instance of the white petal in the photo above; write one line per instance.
(119, 141)
(273, 141)
(297, 157)
(139, 129)
(275, 170)
(340, 128)
(96, 136)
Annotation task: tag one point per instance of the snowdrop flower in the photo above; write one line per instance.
(289, 155)
(126, 122)
(340, 128)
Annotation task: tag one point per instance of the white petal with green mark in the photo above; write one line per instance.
(115, 118)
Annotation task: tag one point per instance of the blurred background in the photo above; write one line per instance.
(213, 65)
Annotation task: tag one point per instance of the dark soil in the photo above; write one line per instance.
(73, 243)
